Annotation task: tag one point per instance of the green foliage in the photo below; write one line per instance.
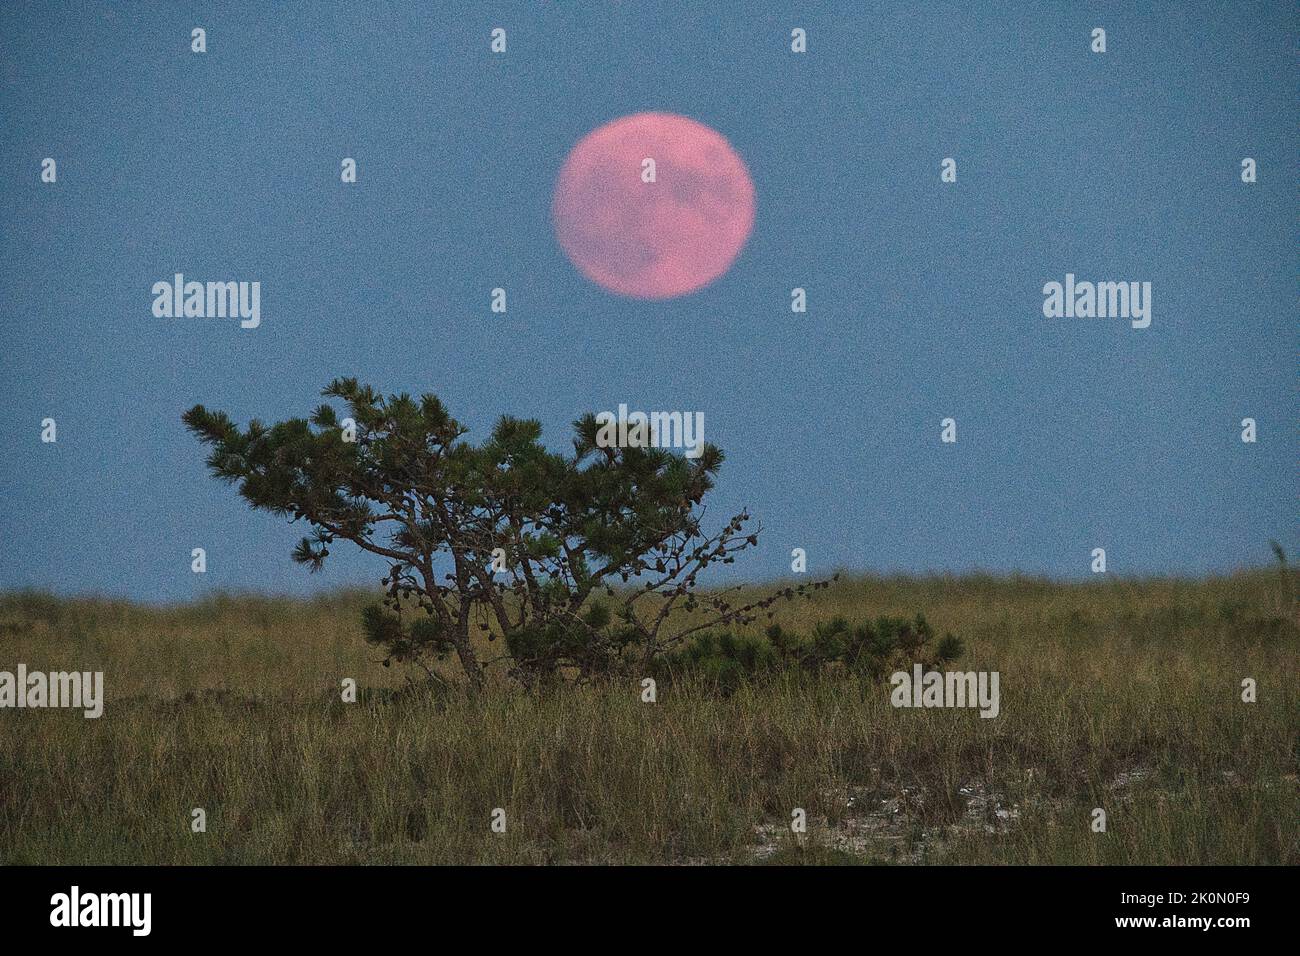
(723, 661)
(505, 537)
(868, 650)
(403, 639)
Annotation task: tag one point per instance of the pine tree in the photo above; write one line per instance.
(576, 560)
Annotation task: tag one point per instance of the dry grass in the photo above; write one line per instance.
(1121, 695)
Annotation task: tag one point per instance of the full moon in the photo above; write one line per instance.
(653, 205)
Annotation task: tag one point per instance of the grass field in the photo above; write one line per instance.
(1123, 695)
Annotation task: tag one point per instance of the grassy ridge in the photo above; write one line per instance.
(1123, 695)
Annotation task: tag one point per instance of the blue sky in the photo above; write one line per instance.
(924, 298)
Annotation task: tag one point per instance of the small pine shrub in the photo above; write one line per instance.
(868, 650)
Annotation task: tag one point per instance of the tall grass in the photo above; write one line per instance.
(1123, 695)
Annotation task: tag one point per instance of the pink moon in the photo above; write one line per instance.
(653, 240)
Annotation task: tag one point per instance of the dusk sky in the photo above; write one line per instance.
(924, 298)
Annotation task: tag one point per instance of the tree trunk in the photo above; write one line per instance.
(465, 651)
(469, 662)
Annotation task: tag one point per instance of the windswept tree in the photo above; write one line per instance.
(580, 561)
